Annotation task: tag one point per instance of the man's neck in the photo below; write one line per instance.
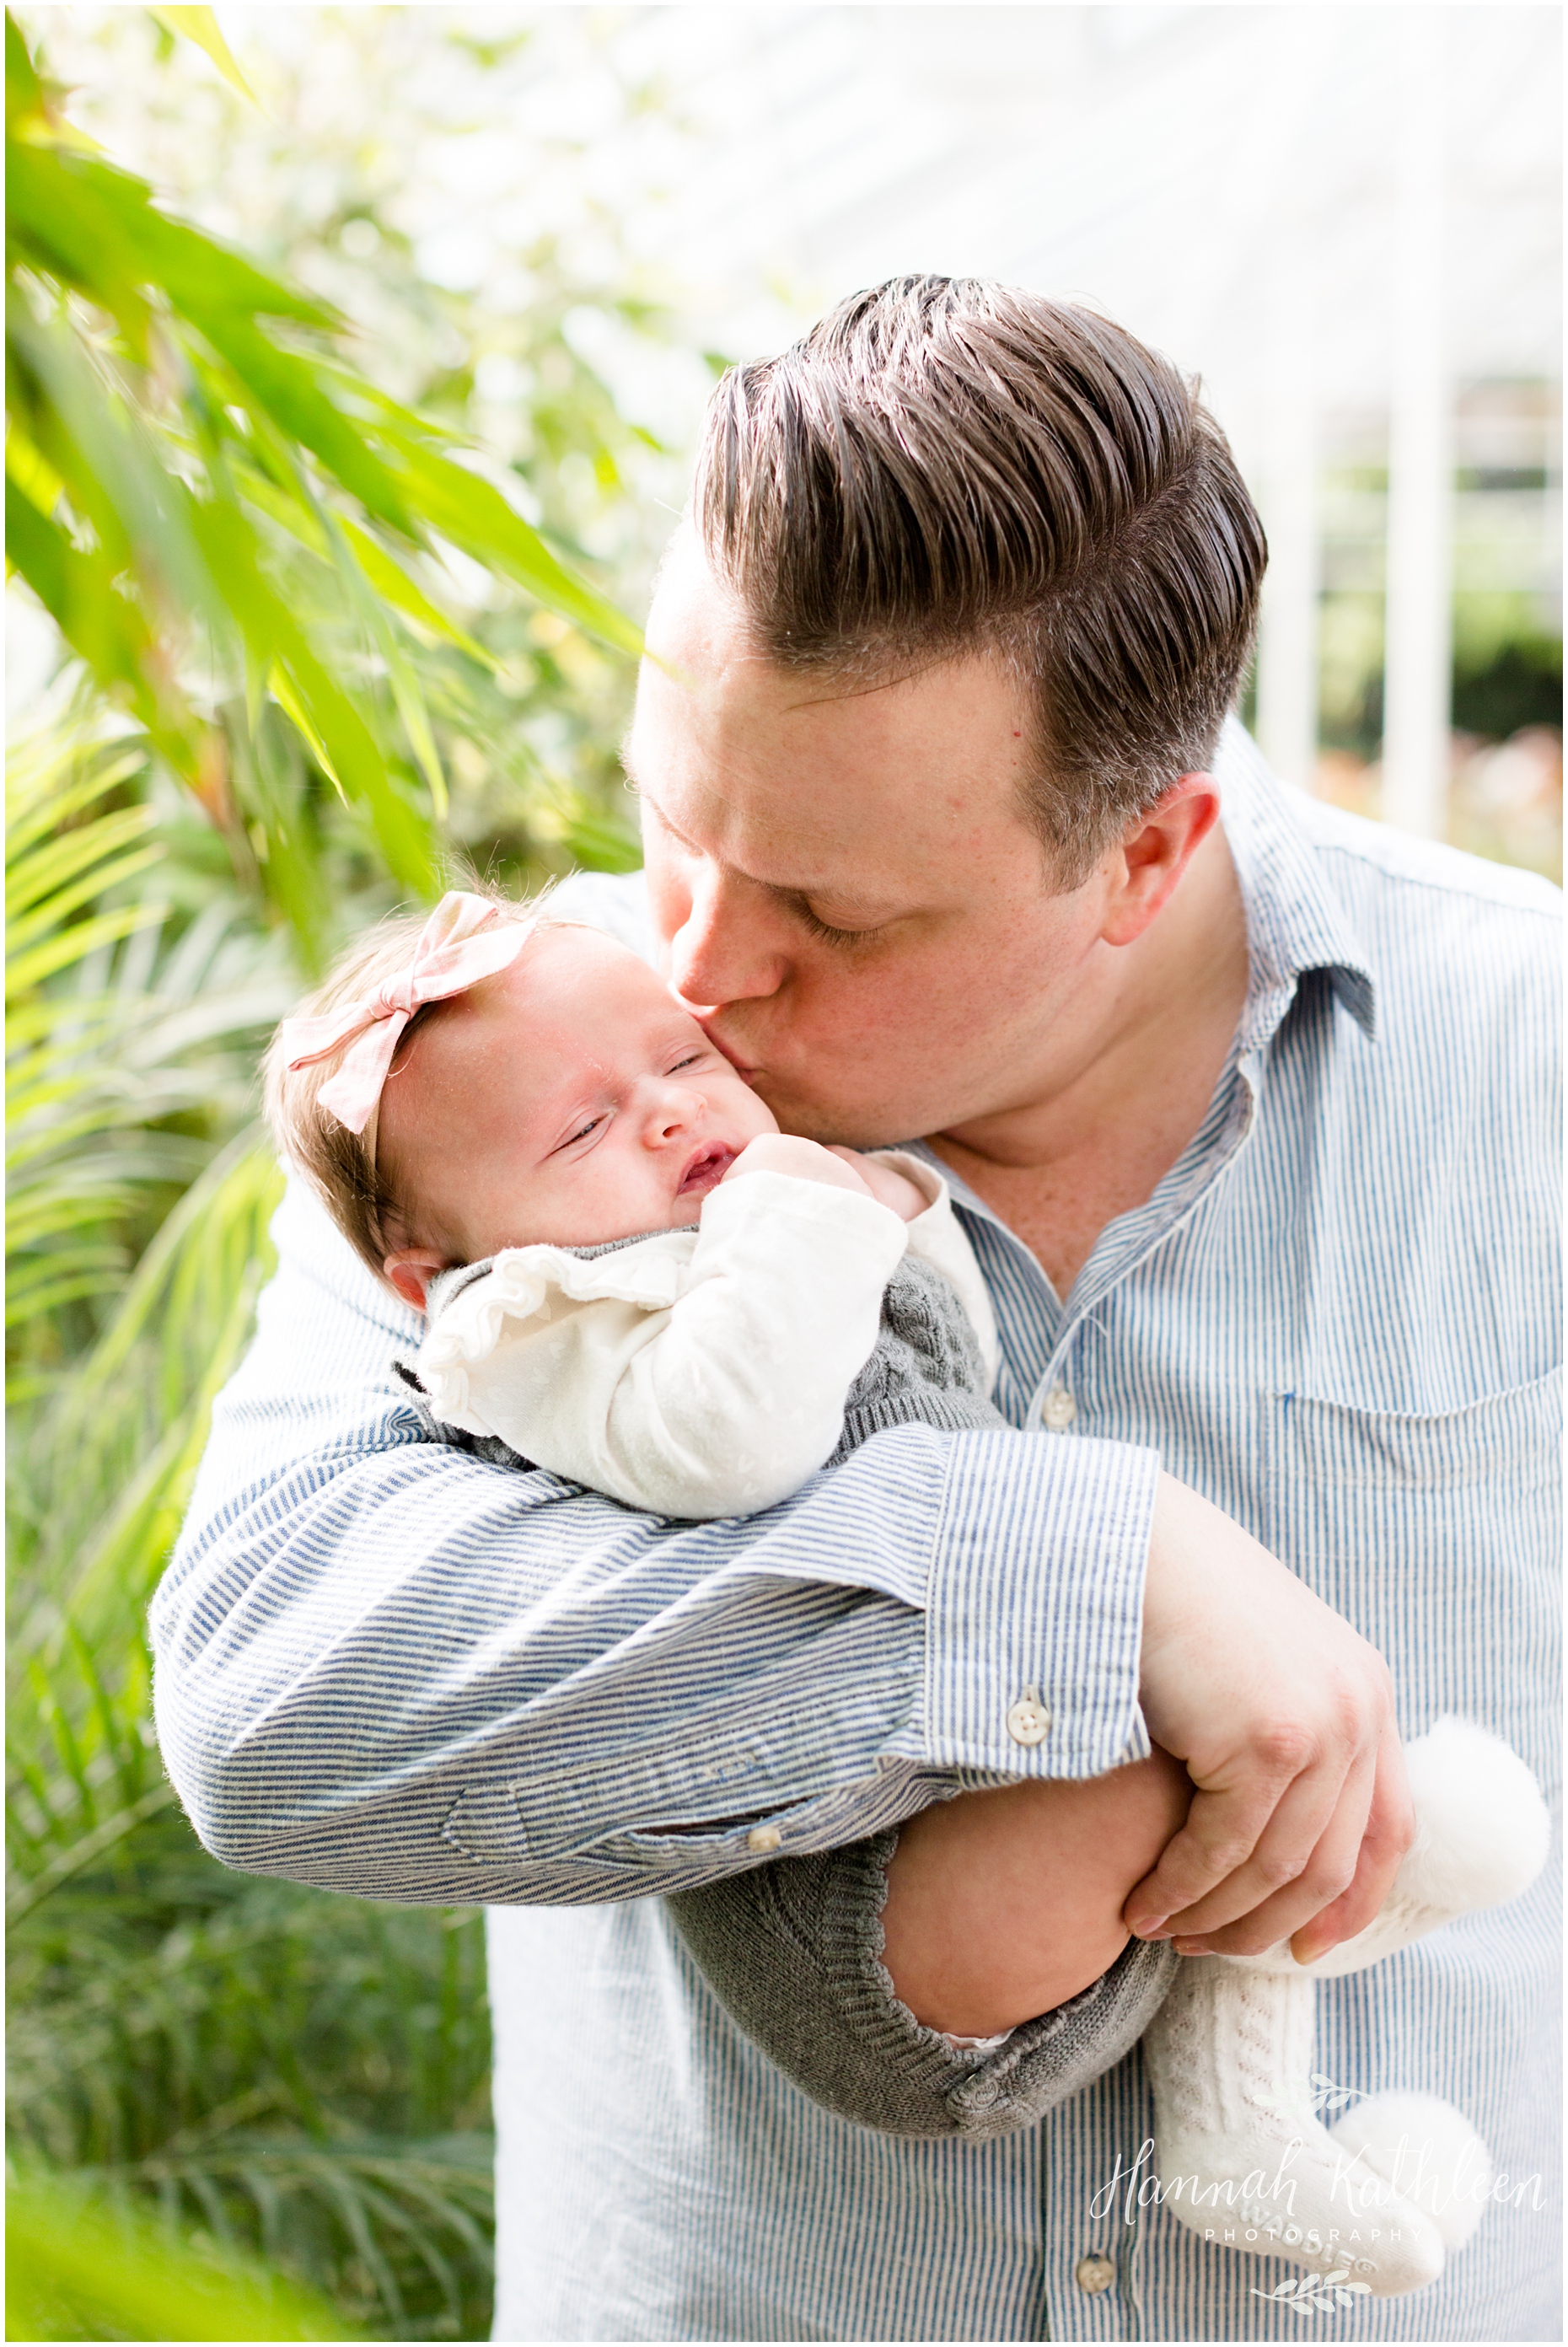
(1109, 1122)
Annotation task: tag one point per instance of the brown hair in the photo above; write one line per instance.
(342, 1166)
(944, 465)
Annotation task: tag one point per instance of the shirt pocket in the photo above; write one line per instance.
(1437, 1534)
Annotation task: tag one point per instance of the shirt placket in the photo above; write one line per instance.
(1038, 1330)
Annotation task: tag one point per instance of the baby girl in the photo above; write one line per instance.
(631, 1278)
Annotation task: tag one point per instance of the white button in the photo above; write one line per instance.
(1028, 1722)
(1059, 1410)
(764, 1838)
(1094, 2273)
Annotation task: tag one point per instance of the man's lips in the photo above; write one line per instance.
(705, 1169)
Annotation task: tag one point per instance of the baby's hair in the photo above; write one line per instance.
(341, 1167)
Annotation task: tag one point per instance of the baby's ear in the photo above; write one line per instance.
(411, 1271)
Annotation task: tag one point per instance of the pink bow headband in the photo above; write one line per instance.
(464, 940)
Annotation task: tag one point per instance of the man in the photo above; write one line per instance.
(1246, 1123)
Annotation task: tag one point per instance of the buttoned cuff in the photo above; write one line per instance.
(1035, 1607)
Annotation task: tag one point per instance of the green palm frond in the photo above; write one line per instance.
(129, 1035)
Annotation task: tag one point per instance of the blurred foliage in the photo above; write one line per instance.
(76, 2271)
(332, 617)
(234, 528)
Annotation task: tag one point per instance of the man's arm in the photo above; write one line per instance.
(388, 1669)
(392, 1669)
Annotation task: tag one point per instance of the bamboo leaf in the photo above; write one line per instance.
(200, 25)
(476, 518)
(88, 1851)
(391, 581)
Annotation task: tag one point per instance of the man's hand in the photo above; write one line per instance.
(1284, 1718)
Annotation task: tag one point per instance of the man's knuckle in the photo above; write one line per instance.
(1353, 1713)
(1230, 1851)
(1278, 1867)
(1390, 1837)
(1286, 1747)
(1328, 1882)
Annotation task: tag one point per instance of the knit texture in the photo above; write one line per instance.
(1229, 2055)
(794, 1949)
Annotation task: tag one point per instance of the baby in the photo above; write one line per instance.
(631, 1279)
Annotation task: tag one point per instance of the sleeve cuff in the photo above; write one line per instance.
(1034, 1613)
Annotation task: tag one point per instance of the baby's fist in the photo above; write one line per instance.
(786, 1153)
(885, 1183)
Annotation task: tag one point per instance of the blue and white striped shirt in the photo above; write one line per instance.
(393, 1669)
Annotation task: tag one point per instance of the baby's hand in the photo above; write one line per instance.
(786, 1153)
(885, 1183)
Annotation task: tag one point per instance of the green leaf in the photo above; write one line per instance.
(59, 953)
(200, 25)
(24, 92)
(288, 392)
(338, 734)
(476, 518)
(75, 2265)
(390, 579)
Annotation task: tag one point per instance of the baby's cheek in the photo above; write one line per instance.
(757, 1118)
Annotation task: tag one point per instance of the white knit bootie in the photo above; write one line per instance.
(1420, 2148)
(1401, 2178)
(1242, 2157)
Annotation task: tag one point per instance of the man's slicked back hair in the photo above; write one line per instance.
(944, 465)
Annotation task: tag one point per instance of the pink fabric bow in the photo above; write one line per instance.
(452, 953)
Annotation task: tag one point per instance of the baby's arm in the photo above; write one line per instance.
(740, 1398)
(727, 1398)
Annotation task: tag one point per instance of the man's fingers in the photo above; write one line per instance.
(1224, 1828)
(1390, 1829)
(1234, 1922)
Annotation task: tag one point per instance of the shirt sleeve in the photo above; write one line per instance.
(719, 1402)
(393, 1669)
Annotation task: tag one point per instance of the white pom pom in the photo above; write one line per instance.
(1482, 1827)
(1425, 2150)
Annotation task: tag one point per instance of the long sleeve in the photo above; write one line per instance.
(692, 1376)
(394, 1669)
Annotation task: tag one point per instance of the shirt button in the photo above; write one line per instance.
(1094, 2273)
(763, 1838)
(1059, 1410)
(1028, 1722)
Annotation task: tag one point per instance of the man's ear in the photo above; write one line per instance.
(411, 1271)
(1155, 853)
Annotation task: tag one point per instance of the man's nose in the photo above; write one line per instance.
(726, 949)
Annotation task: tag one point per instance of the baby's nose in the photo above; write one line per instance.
(676, 1110)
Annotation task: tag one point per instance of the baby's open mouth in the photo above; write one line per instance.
(706, 1171)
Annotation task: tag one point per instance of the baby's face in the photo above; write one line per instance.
(569, 1098)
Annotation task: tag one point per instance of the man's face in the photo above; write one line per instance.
(849, 893)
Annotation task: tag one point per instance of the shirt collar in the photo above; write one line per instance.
(1294, 925)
